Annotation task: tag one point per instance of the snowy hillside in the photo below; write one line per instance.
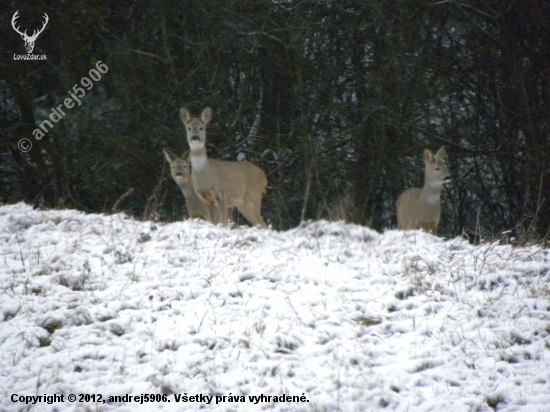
(336, 317)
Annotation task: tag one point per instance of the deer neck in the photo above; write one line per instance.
(199, 159)
(431, 191)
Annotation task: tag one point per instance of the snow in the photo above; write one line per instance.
(346, 318)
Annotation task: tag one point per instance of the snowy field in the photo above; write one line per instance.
(336, 317)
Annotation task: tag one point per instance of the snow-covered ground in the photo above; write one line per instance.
(336, 317)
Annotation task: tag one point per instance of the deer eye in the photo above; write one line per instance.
(201, 128)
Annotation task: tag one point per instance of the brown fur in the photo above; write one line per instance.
(224, 184)
(421, 208)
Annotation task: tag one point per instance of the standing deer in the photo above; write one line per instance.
(421, 208)
(222, 183)
(181, 173)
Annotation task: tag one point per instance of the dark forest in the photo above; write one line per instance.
(335, 100)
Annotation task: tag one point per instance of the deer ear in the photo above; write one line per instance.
(441, 153)
(169, 156)
(428, 157)
(206, 115)
(185, 116)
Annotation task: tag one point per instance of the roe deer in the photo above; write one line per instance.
(421, 208)
(222, 183)
(181, 173)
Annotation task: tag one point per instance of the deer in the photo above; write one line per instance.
(181, 173)
(29, 40)
(224, 184)
(421, 208)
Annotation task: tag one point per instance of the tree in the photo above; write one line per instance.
(334, 100)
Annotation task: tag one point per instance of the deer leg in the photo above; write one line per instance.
(222, 208)
(230, 213)
(255, 205)
(213, 216)
(251, 212)
(210, 199)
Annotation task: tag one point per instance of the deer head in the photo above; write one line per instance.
(29, 40)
